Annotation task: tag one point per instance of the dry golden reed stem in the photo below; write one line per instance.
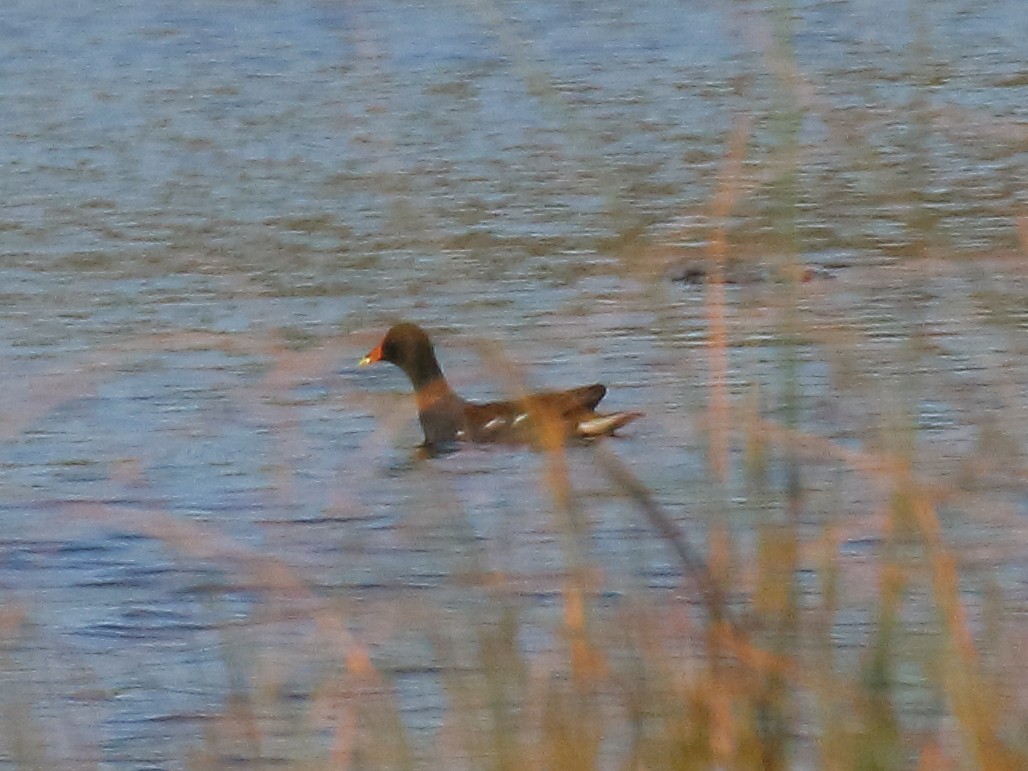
(972, 704)
(587, 660)
(724, 201)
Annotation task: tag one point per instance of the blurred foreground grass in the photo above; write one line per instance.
(753, 663)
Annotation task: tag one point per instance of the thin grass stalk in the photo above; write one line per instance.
(724, 201)
(586, 657)
(969, 693)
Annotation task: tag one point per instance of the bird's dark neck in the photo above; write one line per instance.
(425, 372)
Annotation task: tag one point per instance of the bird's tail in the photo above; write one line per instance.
(603, 425)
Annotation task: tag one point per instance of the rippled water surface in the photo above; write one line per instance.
(211, 210)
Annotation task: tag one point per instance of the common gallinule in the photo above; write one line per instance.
(446, 418)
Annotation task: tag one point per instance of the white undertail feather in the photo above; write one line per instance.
(599, 425)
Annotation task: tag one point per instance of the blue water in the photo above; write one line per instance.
(212, 209)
